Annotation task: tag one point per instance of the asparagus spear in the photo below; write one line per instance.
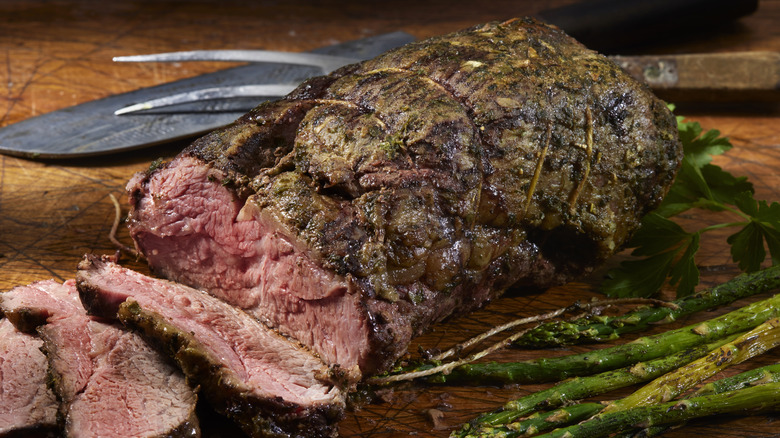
(583, 387)
(600, 328)
(758, 376)
(492, 425)
(757, 341)
(539, 422)
(747, 400)
(642, 349)
(669, 386)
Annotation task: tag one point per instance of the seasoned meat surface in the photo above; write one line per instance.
(373, 202)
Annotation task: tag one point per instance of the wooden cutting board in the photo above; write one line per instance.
(56, 54)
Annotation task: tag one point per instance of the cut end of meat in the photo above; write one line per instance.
(132, 392)
(248, 372)
(202, 234)
(53, 311)
(33, 305)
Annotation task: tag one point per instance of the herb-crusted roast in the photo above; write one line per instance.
(373, 202)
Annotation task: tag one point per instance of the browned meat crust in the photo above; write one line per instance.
(421, 184)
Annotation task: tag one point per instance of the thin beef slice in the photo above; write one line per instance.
(54, 311)
(373, 202)
(109, 380)
(270, 386)
(26, 403)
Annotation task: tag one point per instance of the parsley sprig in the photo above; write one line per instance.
(665, 252)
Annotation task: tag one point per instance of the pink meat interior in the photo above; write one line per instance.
(65, 327)
(195, 231)
(24, 398)
(124, 396)
(264, 361)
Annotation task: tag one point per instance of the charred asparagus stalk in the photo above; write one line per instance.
(642, 349)
(600, 328)
(540, 422)
(751, 399)
(757, 341)
(583, 387)
(758, 376)
(491, 425)
(669, 386)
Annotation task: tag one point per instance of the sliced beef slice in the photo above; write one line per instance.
(269, 385)
(54, 311)
(109, 380)
(132, 391)
(26, 403)
(373, 202)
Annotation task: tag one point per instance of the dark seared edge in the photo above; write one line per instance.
(25, 320)
(33, 432)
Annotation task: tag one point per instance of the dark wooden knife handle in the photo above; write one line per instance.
(724, 76)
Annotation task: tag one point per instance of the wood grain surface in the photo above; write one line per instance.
(54, 54)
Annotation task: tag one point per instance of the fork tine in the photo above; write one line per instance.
(270, 90)
(327, 63)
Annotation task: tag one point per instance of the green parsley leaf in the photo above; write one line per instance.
(699, 183)
(706, 187)
(747, 245)
(772, 238)
(684, 273)
(656, 235)
(638, 278)
(689, 187)
(725, 187)
(669, 251)
(699, 148)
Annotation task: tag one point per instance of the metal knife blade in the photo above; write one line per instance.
(92, 128)
(211, 93)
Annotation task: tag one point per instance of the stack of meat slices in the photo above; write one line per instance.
(109, 381)
(322, 232)
(269, 385)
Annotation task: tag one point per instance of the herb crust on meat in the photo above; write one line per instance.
(372, 202)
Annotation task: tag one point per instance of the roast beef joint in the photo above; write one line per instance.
(373, 202)
(302, 247)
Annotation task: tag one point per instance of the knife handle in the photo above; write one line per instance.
(708, 76)
(609, 25)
